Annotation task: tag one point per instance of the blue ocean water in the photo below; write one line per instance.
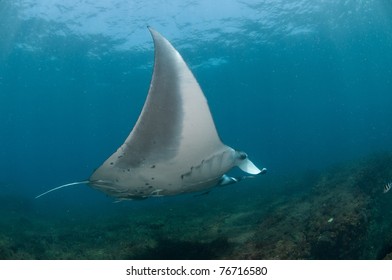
(298, 85)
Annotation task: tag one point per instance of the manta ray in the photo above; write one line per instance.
(174, 147)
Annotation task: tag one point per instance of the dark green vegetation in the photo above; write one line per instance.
(340, 213)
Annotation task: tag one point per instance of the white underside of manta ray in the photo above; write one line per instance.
(174, 147)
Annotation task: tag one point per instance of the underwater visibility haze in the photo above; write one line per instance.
(304, 87)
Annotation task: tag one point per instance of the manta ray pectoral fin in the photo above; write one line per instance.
(62, 186)
(247, 166)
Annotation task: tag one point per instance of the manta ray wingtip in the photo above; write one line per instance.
(151, 29)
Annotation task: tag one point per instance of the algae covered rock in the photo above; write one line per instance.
(340, 217)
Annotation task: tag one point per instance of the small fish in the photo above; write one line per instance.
(387, 187)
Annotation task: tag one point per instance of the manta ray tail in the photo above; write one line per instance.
(62, 186)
